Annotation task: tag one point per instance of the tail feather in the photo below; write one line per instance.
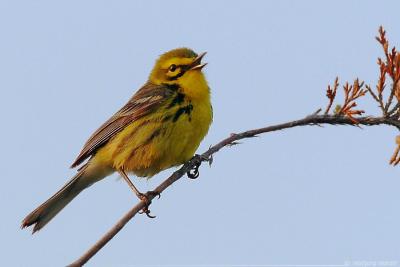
(50, 208)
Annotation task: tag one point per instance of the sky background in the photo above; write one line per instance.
(302, 196)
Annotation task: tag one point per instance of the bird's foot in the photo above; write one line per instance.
(197, 159)
(147, 199)
(194, 172)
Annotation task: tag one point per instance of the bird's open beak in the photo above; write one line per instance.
(196, 64)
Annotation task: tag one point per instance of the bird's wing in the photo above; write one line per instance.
(147, 99)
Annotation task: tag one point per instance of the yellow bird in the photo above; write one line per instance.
(161, 126)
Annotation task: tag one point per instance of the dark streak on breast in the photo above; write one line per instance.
(183, 110)
(178, 99)
(172, 87)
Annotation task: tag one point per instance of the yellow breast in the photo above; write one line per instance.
(167, 137)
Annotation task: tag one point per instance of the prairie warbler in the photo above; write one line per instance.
(161, 126)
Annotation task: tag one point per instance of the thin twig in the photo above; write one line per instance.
(389, 101)
(394, 109)
(313, 119)
(331, 94)
(381, 106)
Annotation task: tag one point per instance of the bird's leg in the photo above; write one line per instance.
(141, 196)
(131, 185)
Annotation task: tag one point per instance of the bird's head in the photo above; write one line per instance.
(177, 65)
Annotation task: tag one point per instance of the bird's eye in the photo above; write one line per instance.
(172, 68)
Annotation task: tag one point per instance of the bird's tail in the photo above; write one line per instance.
(51, 207)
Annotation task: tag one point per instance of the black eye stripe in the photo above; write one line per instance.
(183, 69)
(180, 74)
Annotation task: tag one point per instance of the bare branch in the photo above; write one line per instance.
(310, 120)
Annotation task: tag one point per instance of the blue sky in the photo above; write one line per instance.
(303, 196)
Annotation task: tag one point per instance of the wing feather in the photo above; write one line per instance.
(146, 100)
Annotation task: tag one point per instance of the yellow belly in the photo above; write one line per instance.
(150, 145)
